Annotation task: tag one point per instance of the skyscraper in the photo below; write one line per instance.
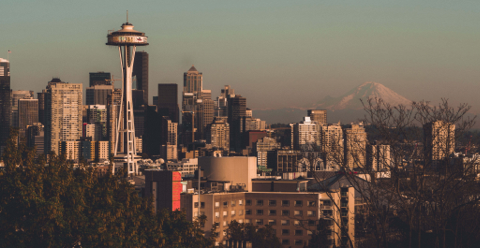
(355, 147)
(140, 71)
(97, 94)
(15, 96)
(100, 78)
(41, 106)
(167, 101)
(192, 81)
(63, 117)
(5, 102)
(27, 113)
(237, 106)
(305, 135)
(439, 141)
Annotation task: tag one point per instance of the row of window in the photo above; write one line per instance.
(282, 222)
(232, 213)
(232, 203)
(273, 212)
(284, 203)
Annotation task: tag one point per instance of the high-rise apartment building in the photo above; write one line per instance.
(331, 145)
(100, 78)
(97, 94)
(439, 141)
(140, 71)
(220, 134)
(63, 117)
(378, 157)
(305, 135)
(5, 102)
(355, 146)
(318, 115)
(167, 101)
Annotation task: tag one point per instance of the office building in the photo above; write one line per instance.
(167, 101)
(262, 147)
(41, 106)
(140, 72)
(63, 117)
(27, 113)
(221, 103)
(98, 94)
(100, 78)
(36, 138)
(15, 96)
(237, 106)
(331, 137)
(318, 115)
(355, 147)
(5, 102)
(169, 139)
(164, 187)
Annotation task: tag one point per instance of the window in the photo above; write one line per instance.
(232, 213)
(327, 203)
(195, 205)
(311, 203)
(285, 241)
(327, 213)
(310, 213)
(195, 214)
(259, 221)
(259, 202)
(296, 223)
(217, 214)
(232, 203)
(217, 204)
(272, 203)
(311, 223)
(298, 232)
(259, 212)
(240, 202)
(224, 223)
(240, 212)
(240, 221)
(285, 222)
(298, 213)
(285, 212)
(272, 212)
(298, 203)
(248, 202)
(285, 232)
(272, 222)
(298, 242)
(202, 204)
(285, 203)
(248, 212)
(225, 204)
(224, 213)
(309, 233)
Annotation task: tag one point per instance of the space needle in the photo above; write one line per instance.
(127, 39)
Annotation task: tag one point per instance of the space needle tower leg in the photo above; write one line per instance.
(125, 153)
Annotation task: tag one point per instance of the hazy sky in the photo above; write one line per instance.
(276, 53)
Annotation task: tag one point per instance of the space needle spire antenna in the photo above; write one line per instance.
(126, 39)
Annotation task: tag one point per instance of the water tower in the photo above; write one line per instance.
(127, 39)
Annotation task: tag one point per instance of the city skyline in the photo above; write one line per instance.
(423, 51)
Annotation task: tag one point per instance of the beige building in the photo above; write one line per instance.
(439, 141)
(293, 215)
(355, 147)
(220, 134)
(237, 171)
(318, 115)
(186, 167)
(262, 147)
(378, 157)
(305, 135)
(63, 114)
(331, 139)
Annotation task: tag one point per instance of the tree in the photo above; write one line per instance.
(259, 237)
(56, 204)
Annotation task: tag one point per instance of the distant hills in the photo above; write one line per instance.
(345, 108)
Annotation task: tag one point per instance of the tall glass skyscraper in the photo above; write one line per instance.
(5, 102)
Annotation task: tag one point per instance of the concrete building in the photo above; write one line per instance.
(41, 106)
(186, 166)
(293, 215)
(237, 106)
(378, 157)
(238, 171)
(305, 135)
(220, 134)
(164, 187)
(5, 102)
(63, 107)
(98, 94)
(16, 95)
(439, 141)
(169, 139)
(35, 137)
(286, 161)
(262, 147)
(318, 116)
(355, 146)
(331, 139)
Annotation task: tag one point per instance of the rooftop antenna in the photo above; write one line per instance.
(127, 16)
